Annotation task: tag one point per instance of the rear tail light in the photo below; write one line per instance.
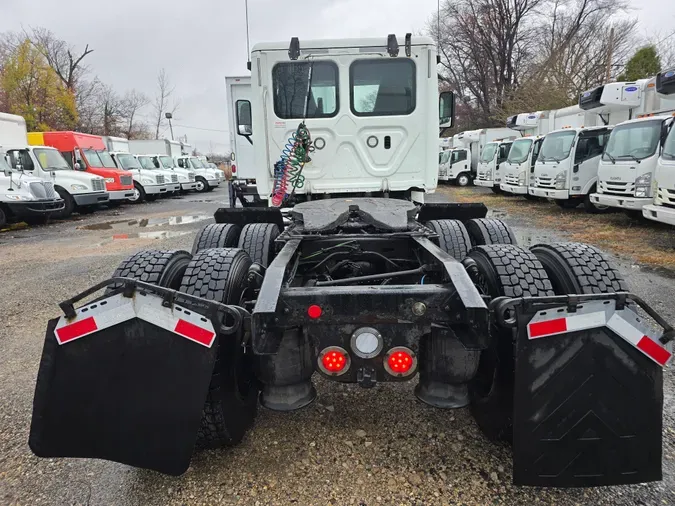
(400, 362)
(234, 169)
(334, 361)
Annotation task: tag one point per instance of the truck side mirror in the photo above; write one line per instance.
(244, 120)
(78, 166)
(446, 112)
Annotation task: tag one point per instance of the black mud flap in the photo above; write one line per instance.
(588, 396)
(125, 380)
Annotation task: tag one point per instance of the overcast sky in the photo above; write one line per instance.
(199, 42)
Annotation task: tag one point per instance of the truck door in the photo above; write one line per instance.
(241, 137)
(365, 116)
(589, 147)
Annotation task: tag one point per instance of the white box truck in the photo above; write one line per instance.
(148, 184)
(80, 191)
(163, 153)
(207, 179)
(567, 167)
(626, 169)
(366, 109)
(470, 145)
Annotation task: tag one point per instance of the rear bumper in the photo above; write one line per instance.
(485, 183)
(188, 186)
(659, 213)
(91, 199)
(622, 202)
(512, 188)
(550, 194)
(35, 208)
(121, 194)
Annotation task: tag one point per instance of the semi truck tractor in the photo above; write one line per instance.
(567, 167)
(663, 181)
(88, 153)
(626, 169)
(543, 345)
(80, 191)
(163, 153)
(148, 185)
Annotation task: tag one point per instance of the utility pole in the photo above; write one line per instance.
(610, 55)
(169, 116)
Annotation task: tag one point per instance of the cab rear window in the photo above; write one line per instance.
(291, 82)
(382, 87)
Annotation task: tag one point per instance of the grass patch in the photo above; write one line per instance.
(642, 241)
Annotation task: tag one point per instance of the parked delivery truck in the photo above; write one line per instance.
(163, 154)
(88, 152)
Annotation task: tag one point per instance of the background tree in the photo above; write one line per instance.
(644, 63)
(163, 103)
(132, 102)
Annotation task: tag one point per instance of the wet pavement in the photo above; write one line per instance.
(352, 446)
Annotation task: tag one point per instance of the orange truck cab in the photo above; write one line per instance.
(88, 153)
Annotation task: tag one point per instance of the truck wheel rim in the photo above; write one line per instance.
(136, 196)
(200, 185)
(463, 180)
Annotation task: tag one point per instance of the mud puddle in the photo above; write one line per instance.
(146, 223)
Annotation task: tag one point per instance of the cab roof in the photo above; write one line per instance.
(368, 42)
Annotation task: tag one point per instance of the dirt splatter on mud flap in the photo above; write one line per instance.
(125, 378)
(588, 391)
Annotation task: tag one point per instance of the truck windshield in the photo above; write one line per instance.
(488, 152)
(520, 149)
(445, 157)
(167, 162)
(100, 159)
(557, 146)
(197, 163)
(633, 141)
(107, 160)
(50, 159)
(669, 146)
(127, 161)
(147, 162)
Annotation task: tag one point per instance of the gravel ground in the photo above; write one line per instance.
(352, 446)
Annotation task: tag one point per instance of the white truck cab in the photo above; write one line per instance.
(370, 107)
(626, 172)
(566, 169)
(148, 162)
(519, 166)
(79, 190)
(663, 181)
(492, 157)
(24, 197)
(456, 167)
(164, 153)
(206, 179)
(148, 184)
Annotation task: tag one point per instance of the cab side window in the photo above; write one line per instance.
(68, 156)
(461, 156)
(181, 163)
(591, 145)
(21, 158)
(503, 152)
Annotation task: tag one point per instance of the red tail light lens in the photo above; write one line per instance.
(314, 311)
(334, 361)
(400, 361)
(234, 169)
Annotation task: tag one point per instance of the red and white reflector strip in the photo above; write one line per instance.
(595, 314)
(118, 309)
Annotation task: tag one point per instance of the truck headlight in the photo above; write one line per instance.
(19, 198)
(488, 174)
(561, 181)
(110, 180)
(642, 185)
(521, 178)
(78, 187)
(182, 178)
(147, 180)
